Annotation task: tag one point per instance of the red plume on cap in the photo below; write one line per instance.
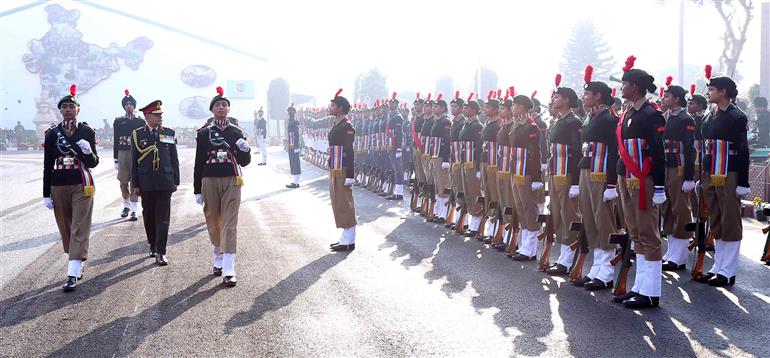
(661, 92)
(338, 92)
(629, 63)
(470, 97)
(440, 97)
(457, 94)
(692, 89)
(125, 91)
(669, 79)
(708, 72)
(429, 96)
(418, 95)
(499, 93)
(73, 90)
(534, 93)
(220, 91)
(557, 81)
(394, 95)
(376, 103)
(507, 93)
(513, 91)
(589, 72)
(490, 94)
(614, 92)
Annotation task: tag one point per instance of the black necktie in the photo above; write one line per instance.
(154, 134)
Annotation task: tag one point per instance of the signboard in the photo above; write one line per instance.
(240, 89)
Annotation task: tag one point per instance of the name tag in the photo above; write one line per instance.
(221, 155)
(68, 161)
(166, 139)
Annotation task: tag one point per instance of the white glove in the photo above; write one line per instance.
(610, 194)
(349, 181)
(85, 147)
(742, 191)
(544, 167)
(48, 202)
(199, 199)
(688, 186)
(660, 195)
(243, 145)
(117, 166)
(445, 165)
(536, 185)
(398, 153)
(574, 191)
(297, 151)
(478, 175)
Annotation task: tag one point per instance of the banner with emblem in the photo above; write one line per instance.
(240, 89)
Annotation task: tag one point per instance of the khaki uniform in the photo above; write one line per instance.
(222, 201)
(72, 211)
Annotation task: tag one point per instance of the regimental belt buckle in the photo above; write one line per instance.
(221, 155)
(68, 161)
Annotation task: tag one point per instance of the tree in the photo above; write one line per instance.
(736, 16)
(585, 47)
(488, 82)
(278, 95)
(446, 86)
(370, 86)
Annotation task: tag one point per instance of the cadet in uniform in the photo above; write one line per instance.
(69, 153)
(429, 190)
(725, 178)
(641, 183)
(598, 180)
(538, 119)
(416, 132)
(292, 134)
(341, 173)
(504, 188)
(260, 130)
(470, 136)
(489, 168)
(678, 139)
(122, 129)
(155, 176)
(458, 121)
(395, 136)
(525, 176)
(564, 178)
(217, 180)
(440, 159)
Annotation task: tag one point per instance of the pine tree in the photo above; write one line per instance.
(370, 86)
(586, 47)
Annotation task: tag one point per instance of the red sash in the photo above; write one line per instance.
(632, 165)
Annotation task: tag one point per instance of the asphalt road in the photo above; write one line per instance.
(409, 288)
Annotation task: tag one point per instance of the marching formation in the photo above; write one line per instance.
(619, 176)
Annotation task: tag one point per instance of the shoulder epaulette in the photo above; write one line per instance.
(88, 126)
(53, 125)
(206, 125)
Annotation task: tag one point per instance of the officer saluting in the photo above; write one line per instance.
(122, 128)
(154, 176)
(68, 188)
(221, 150)
(341, 173)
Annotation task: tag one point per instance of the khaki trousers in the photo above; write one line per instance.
(724, 208)
(642, 226)
(564, 210)
(472, 189)
(342, 200)
(124, 176)
(525, 202)
(505, 191)
(489, 186)
(419, 172)
(73, 211)
(457, 182)
(598, 215)
(676, 211)
(440, 177)
(427, 168)
(221, 203)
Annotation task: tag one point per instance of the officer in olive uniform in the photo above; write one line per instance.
(456, 152)
(292, 138)
(342, 173)
(470, 136)
(69, 153)
(395, 137)
(122, 129)
(221, 150)
(440, 159)
(155, 176)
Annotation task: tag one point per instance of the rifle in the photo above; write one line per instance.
(482, 225)
(766, 230)
(450, 207)
(576, 272)
(460, 226)
(513, 228)
(621, 277)
(415, 194)
(498, 237)
(547, 237)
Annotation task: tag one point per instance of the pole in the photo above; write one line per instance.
(680, 63)
(764, 64)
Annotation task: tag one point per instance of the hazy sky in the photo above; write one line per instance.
(319, 46)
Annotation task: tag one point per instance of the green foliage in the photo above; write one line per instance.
(369, 87)
(586, 47)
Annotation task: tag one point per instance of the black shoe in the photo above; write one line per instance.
(622, 298)
(124, 213)
(72, 282)
(133, 217)
(705, 278)
(470, 233)
(439, 221)
(153, 253)
(161, 260)
(382, 193)
(339, 247)
(519, 257)
(229, 281)
(449, 225)
(500, 247)
(334, 244)
(581, 282)
(292, 186)
(430, 220)
(416, 209)
(487, 240)
(396, 197)
(261, 164)
(217, 271)
(672, 266)
(721, 281)
(641, 301)
(597, 284)
(557, 270)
